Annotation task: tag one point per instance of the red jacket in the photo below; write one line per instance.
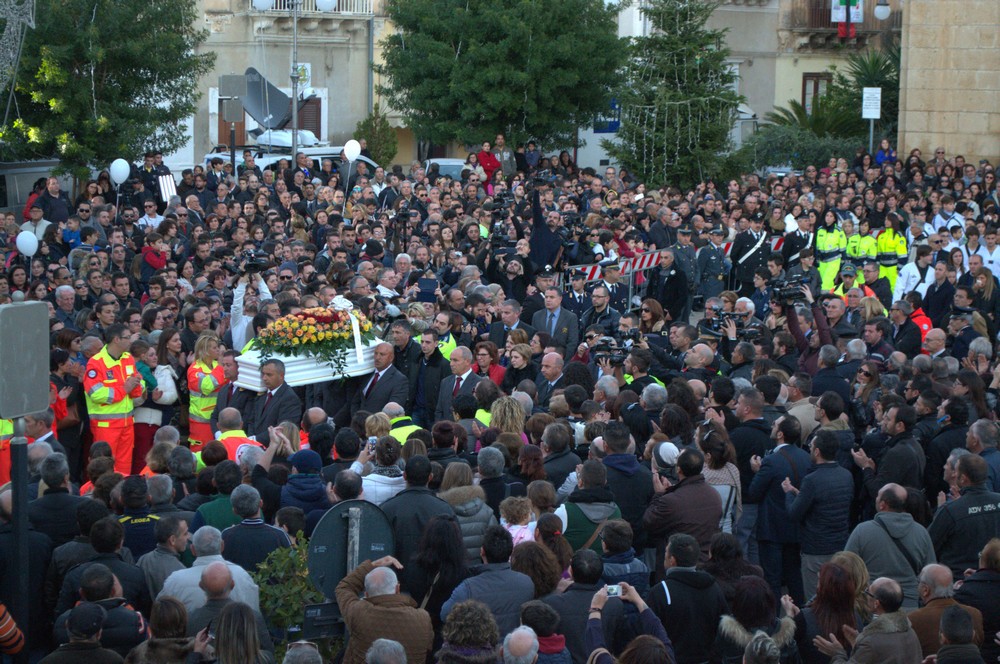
(923, 322)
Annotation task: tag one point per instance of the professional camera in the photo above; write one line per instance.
(788, 290)
(542, 178)
(253, 262)
(634, 335)
(605, 349)
(749, 333)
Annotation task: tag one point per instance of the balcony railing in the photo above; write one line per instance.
(814, 16)
(308, 8)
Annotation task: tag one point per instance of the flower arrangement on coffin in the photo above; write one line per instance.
(325, 334)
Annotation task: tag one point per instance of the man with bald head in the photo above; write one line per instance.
(937, 593)
(934, 343)
(892, 544)
(217, 582)
(387, 383)
(383, 613)
(887, 639)
(550, 378)
(232, 435)
(697, 362)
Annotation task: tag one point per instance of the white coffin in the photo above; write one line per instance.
(306, 370)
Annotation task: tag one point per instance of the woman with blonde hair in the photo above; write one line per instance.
(858, 572)
(205, 379)
(871, 307)
(507, 416)
(378, 425)
(521, 367)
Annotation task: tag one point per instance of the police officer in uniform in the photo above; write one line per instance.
(750, 251)
(536, 301)
(713, 265)
(796, 241)
(577, 300)
(611, 270)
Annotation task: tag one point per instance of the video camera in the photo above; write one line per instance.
(607, 349)
(789, 290)
(252, 262)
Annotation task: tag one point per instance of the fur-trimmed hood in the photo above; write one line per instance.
(731, 630)
(465, 497)
(888, 623)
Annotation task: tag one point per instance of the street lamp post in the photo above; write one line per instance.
(882, 10)
(294, 6)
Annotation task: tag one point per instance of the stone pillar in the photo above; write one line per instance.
(949, 81)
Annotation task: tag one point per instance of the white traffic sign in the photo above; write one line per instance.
(871, 104)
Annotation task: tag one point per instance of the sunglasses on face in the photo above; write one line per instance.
(865, 373)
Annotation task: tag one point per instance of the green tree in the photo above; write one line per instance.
(380, 136)
(462, 70)
(825, 120)
(874, 68)
(785, 145)
(676, 96)
(102, 79)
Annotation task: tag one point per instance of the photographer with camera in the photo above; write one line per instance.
(742, 325)
(811, 331)
(239, 322)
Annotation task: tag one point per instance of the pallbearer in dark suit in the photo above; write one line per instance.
(385, 385)
(230, 396)
(463, 381)
(276, 404)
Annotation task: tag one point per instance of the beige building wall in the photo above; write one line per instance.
(950, 85)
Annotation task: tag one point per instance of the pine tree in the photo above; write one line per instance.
(466, 69)
(676, 96)
(380, 136)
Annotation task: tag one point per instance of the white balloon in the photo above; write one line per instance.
(326, 5)
(27, 243)
(352, 149)
(120, 170)
(263, 5)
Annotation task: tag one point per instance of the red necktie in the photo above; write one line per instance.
(458, 384)
(267, 401)
(371, 385)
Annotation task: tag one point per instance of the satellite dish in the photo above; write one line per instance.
(340, 543)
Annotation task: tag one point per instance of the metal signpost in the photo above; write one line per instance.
(871, 110)
(24, 389)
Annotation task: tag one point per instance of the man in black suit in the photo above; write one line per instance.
(387, 384)
(562, 326)
(777, 534)
(462, 381)
(510, 319)
(550, 378)
(275, 405)
(426, 376)
(230, 396)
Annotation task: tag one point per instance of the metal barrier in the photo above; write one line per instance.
(630, 267)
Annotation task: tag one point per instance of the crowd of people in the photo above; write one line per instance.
(749, 452)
